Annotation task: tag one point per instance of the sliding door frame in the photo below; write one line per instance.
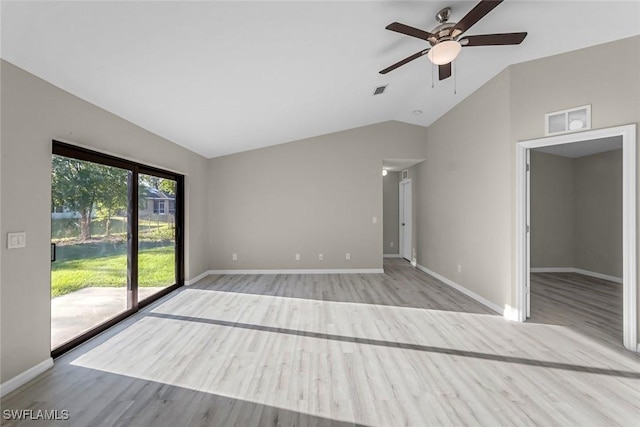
(135, 169)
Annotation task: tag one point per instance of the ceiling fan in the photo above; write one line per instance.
(445, 39)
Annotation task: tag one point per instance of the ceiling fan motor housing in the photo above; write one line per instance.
(442, 32)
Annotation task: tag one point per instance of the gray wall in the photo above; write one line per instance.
(33, 113)
(467, 183)
(576, 212)
(598, 213)
(390, 213)
(552, 211)
(317, 195)
(465, 194)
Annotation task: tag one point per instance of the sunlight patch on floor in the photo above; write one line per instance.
(339, 360)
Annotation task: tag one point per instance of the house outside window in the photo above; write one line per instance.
(159, 207)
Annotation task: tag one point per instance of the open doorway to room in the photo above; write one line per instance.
(576, 232)
(576, 237)
(399, 209)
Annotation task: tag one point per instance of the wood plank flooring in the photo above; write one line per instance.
(586, 304)
(390, 349)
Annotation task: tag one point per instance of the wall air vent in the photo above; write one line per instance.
(380, 90)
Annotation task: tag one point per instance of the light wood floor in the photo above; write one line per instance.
(586, 304)
(390, 349)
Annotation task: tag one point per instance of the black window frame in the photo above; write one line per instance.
(80, 153)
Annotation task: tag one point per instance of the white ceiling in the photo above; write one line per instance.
(224, 77)
(584, 148)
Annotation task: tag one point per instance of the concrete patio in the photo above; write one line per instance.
(77, 312)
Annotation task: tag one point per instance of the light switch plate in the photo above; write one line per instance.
(16, 240)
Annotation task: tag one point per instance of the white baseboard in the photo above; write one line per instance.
(467, 292)
(196, 279)
(303, 271)
(552, 270)
(577, 270)
(391, 255)
(511, 313)
(23, 378)
(599, 275)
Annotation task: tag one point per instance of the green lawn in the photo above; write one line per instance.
(105, 264)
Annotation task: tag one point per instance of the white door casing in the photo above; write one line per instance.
(528, 234)
(629, 221)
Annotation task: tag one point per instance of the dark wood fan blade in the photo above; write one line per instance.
(444, 71)
(409, 31)
(476, 14)
(493, 39)
(404, 61)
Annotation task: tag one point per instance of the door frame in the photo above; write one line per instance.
(629, 221)
(401, 197)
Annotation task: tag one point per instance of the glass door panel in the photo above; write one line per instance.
(156, 234)
(89, 219)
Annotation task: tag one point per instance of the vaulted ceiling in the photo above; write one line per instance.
(224, 77)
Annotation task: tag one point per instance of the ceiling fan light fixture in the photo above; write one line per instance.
(444, 52)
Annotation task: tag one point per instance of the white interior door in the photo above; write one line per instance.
(405, 219)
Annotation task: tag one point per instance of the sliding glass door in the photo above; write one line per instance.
(89, 246)
(156, 234)
(115, 241)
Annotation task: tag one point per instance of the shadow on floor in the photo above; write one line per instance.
(405, 346)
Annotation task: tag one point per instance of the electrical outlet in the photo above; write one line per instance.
(391, 244)
(320, 257)
(234, 257)
(16, 240)
(374, 220)
(297, 257)
(348, 256)
(459, 268)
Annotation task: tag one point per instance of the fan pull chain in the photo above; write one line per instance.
(432, 66)
(455, 77)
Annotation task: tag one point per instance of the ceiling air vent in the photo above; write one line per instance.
(379, 90)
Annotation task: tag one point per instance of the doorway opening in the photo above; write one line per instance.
(399, 209)
(405, 217)
(116, 241)
(624, 136)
